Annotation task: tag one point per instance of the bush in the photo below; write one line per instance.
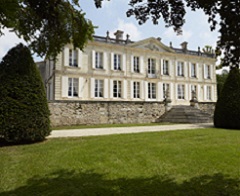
(220, 83)
(24, 113)
(227, 111)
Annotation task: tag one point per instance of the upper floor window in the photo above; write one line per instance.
(208, 72)
(73, 58)
(136, 64)
(136, 89)
(99, 60)
(166, 89)
(180, 91)
(117, 89)
(73, 87)
(98, 91)
(180, 69)
(117, 62)
(151, 66)
(165, 67)
(193, 70)
(209, 94)
(152, 90)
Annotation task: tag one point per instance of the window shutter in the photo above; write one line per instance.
(197, 70)
(211, 71)
(66, 56)
(80, 86)
(124, 89)
(176, 91)
(158, 91)
(176, 68)
(142, 91)
(79, 58)
(124, 62)
(186, 92)
(199, 96)
(131, 90)
(212, 93)
(141, 64)
(161, 66)
(92, 87)
(105, 90)
(171, 90)
(146, 90)
(205, 93)
(132, 64)
(93, 59)
(111, 88)
(205, 71)
(64, 86)
(105, 61)
(112, 61)
(190, 69)
(185, 69)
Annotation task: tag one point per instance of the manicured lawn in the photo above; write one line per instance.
(186, 163)
(109, 125)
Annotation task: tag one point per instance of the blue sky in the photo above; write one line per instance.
(112, 17)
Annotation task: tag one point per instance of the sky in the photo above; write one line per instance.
(112, 17)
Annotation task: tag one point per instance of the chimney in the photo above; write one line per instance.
(119, 35)
(184, 46)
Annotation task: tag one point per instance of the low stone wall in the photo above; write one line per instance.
(104, 112)
(207, 107)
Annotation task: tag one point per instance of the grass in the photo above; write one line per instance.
(109, 125)
(184, 163)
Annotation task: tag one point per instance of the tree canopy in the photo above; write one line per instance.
(46, 25)
(222, 13)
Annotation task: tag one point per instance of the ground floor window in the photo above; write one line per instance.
(117, 89)
(73, 87)
(136, 89)
(151, 90)
(209, 94)
(166, 90)
(180, 91)
(98, 88)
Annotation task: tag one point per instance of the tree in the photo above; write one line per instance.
(24, 113)
(227, 110)
(173, 12)
(220, 83)
(46, 25)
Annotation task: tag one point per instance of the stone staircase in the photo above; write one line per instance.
(186, 114)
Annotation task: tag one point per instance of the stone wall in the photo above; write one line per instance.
(104, 112)
(207, 107)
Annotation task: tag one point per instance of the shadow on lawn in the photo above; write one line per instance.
(65, 182)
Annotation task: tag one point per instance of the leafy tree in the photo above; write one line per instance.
(227, 110)
(220, 83)
(46, 25)
(24, 114)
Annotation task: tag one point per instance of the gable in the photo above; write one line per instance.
(151, 44)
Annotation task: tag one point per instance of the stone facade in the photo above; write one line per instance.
(207, 107)
(102, 112)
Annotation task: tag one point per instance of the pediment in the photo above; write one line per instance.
(152, 44)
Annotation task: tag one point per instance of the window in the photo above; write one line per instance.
(98, 88)
(117, 88)
(117, 62)
(165, 67)
(151, 66)
(193, 70)
(180, 69)
(181, 91)
(73, 58)
(151, 90)
(193, 91)
(209, 95)
(99, 60)
(166, 88)
(72, 87)
(136, 89)
(208, 72)
(136, 64)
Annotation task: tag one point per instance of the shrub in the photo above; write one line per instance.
(227, 111)
(24, 113)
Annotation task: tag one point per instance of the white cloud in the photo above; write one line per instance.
(185, 36)
(128, 28)
(7, 41)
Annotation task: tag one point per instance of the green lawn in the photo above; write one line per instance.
(184, 163)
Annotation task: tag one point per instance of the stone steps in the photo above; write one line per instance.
(186, 114)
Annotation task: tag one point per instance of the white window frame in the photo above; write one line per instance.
(73, 87)
(117, 89)
(181, 91)
(180, 68)
(152, 90)
(164, 88)
(136, 89)
(166, 67)
(73, 58)
(99, 60)
(193, 70)
(136, 64)
(151, 66)
(117, 62)
(98, 88)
